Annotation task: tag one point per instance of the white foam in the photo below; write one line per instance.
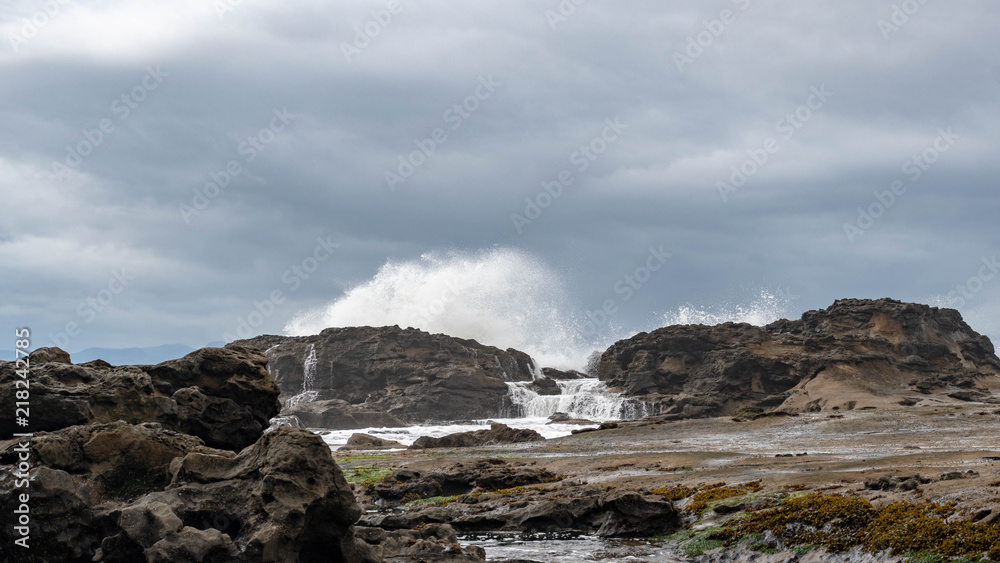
(409, 434)
(766, 308)
(500, 297)
(579, 398)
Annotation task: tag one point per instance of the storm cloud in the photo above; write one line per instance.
(168, 169)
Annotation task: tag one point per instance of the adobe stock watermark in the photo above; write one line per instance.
(696, 44)
(967, 291)
(626, 287)
(250, 148)
(365, 34)
(787, 127)
(581, 159)
(293, 277)
(122, 107)
(565, 10)
(900, 16)
(455, 116)
(90, 308)
(913, 168)
(30, 27)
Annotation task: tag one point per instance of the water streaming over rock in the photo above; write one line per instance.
(308, 392)
(579, 398)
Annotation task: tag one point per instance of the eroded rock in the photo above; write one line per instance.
(857, 354)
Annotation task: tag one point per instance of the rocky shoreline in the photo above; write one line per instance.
(790, 442)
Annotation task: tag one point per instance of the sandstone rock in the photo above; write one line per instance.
(497, 434)
(407, 374)
(224, 396)
(339, 414)
(586, 509)
(461, 479)
(434, 543)
(855, 354)
(894, 483)
(553, 373)
(545, 386)
(120, 488)
(49, 355)
(369, 442)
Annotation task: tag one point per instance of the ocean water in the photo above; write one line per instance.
(586, 399)
(573, 549)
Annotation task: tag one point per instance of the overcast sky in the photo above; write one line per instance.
(118, 115)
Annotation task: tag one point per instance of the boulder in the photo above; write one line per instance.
(406, 374)
(856, 354)
(369, 442)
(460, 479)
(224, 396)
(497, 434)
(545, 386)
(123, 470)
(553, 373)
(339, 414)
(577, 508)
(49, 355)
(433, 543)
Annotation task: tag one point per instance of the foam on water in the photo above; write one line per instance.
(500, 297)
(408, 434)
(579, 398)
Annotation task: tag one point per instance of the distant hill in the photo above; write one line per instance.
(127, 356)
(136, 356)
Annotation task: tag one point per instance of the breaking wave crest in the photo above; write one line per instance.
(500, 297)
(766, 308)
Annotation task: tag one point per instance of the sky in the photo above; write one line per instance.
(196, 171)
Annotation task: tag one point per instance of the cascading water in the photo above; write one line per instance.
(579, 398)
(308, 392)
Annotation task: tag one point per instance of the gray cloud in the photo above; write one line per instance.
(324, 175)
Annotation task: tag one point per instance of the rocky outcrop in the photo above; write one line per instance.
(573, 508)
(222, 395)
(497, 434)
(853, 355)
(405, 375)
(433, 543)
(136, 480)
(339, 414)
(462, 478)
(369, 442)
(121, 493)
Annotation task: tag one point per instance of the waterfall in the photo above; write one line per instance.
(536, 370)
(579, 398)
(308, 392)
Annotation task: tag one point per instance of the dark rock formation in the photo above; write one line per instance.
(137, 482)
(577, 508)
(497, 434)
(545, 386)
(336, 413)
(855, 354)
(896, 483)
(368, 442)
(460, 479)
(553, 373)
(49, 355)
(406, 374)
(433, 543)
(222, 395)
